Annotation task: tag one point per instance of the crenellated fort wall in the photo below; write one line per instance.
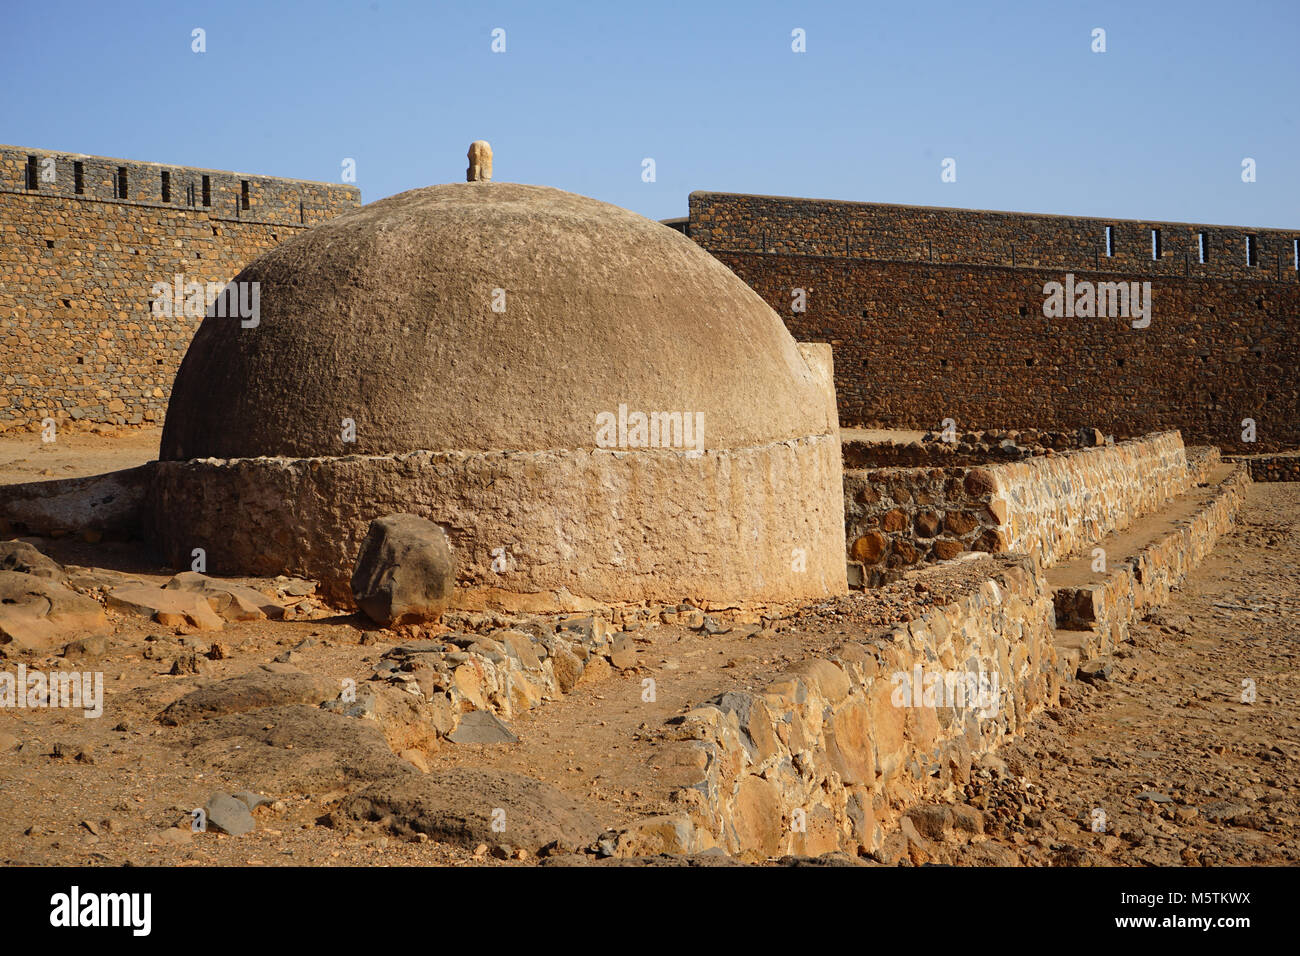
(939, 313)
(83, 239)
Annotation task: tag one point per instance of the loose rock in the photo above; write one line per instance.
(404, 573)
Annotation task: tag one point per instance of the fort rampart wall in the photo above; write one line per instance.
(939, 313)
(83, 240)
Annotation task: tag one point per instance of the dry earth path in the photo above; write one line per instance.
(74, 454)
(1171, 758)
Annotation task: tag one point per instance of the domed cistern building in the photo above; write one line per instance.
(593, 408)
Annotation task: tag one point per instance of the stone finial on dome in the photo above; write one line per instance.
(480, 162)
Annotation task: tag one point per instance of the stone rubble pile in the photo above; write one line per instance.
(38, 611)
(447, 684)
(940, 450)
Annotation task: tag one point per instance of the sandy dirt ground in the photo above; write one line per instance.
(1162, 762)
(25, 457)
(124, 782)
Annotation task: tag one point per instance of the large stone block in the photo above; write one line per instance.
(405, 572)
(758, 818)
(169, 607)
(849, 744)
(36, 612)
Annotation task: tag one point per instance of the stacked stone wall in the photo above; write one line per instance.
(931, 317)
(898, 517)
(79, 338)
(1202, 460)
(1048, 505)
(1271, 467)
(826, 758)
(833, 753)
(1053, 506)
(780, 225)
(1098, 615)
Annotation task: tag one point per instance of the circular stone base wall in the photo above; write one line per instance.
(531, 531)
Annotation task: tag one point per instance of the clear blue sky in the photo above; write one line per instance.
(1154, 128)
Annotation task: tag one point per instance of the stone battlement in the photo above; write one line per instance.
(940, 314)
(220, 194)
(778, 225)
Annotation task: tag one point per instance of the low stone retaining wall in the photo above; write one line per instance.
(829, 754)
(1057, 505)
(1048, 506)
(1201, 462)
(1162, 566)
(899, 517)
(423, 691)
(1270, 467)
(970, 448)
(1101, 613)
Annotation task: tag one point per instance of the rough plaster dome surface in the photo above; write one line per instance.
(385, 316)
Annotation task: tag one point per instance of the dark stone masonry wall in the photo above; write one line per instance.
(1271, 467)
(786, 226)
(78, 261)
(964, 337)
